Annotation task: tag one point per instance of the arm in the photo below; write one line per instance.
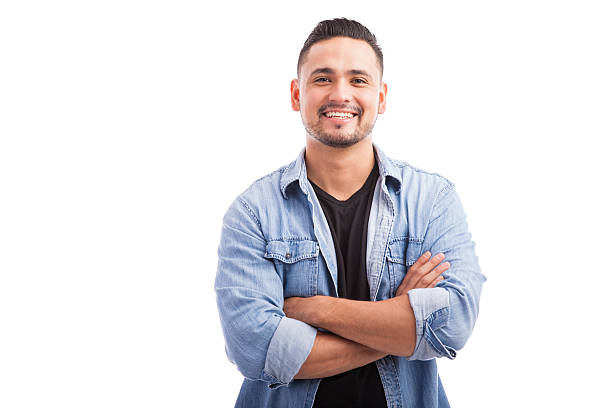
(446, 314)
(442, 312)
(331, 355)
(380, 325)
(387, 325)
(260, 340)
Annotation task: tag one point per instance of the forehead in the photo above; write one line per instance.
(341, 54)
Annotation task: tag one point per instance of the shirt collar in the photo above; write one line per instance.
(296, 171)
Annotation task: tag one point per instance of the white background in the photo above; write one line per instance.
(128, 127)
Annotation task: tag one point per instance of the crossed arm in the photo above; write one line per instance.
(272, 339)
(363, 331)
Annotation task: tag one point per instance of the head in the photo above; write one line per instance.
(339, 90)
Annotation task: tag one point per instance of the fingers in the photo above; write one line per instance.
(431, 264)
(409, 278)
(435, 282)
(415, 272)
(424, 273)
(422, 259)
(434, 276)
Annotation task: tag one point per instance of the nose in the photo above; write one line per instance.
(340, 92)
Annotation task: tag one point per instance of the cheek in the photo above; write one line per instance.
(311, 106)
(370, 113)
(369, 102)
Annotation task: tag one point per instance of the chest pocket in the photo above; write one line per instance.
(296, 263)
(401, 254)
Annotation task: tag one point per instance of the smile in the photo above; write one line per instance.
(334, 114)
(338, 116)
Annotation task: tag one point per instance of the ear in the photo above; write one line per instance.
(382, 98)
(295, 95)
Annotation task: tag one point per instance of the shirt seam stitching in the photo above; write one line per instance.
(251, 213)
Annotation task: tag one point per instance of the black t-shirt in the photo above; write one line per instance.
(348, 222)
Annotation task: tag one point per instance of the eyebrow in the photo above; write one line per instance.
(327, 70)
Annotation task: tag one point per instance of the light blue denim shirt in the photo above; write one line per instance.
(275, 243)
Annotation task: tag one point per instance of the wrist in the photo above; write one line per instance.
(321, 309)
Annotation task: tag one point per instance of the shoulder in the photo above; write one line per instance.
(263, 192)
(268, 186)
(415, 179)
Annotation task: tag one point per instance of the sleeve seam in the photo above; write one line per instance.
(242, 232)
(251, 213)
(448, 187)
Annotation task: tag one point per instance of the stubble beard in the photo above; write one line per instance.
(340, 140)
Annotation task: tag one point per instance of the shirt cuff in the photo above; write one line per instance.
(289, 348)
(431, 308)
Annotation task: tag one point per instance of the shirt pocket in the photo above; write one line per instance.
(296, 263)
(402, 252)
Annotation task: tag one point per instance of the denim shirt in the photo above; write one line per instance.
(275, 243)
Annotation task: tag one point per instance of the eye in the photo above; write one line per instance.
(322, 79)
(360, 81)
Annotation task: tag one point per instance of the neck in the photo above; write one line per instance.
(339, 171)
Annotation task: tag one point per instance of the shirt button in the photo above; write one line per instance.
(288, 255)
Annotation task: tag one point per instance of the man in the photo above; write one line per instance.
(343, 275)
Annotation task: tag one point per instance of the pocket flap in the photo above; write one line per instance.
(292, 251)
(404, 250)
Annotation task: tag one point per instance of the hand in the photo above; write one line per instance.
(426, 272)
(300, 308)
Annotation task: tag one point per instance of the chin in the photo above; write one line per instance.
(338, 141)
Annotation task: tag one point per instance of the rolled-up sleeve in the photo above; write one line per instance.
(259, 339)
(445, 315)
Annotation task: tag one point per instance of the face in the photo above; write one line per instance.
(339, 92)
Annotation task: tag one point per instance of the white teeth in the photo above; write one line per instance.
(339, 114)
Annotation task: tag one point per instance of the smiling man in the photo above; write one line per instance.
(345, 274)
(331, 116)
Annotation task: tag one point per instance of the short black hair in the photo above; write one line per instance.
(340, 27)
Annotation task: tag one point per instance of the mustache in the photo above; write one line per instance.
(328, 106)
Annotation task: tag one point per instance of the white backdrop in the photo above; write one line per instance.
(128, 127)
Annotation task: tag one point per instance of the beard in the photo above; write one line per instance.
(339, 138)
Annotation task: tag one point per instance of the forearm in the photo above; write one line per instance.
(387, 325)
(331, 355)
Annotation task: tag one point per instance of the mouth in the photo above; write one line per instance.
(339, 116)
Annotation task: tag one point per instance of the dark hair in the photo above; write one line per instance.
(340, 27)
